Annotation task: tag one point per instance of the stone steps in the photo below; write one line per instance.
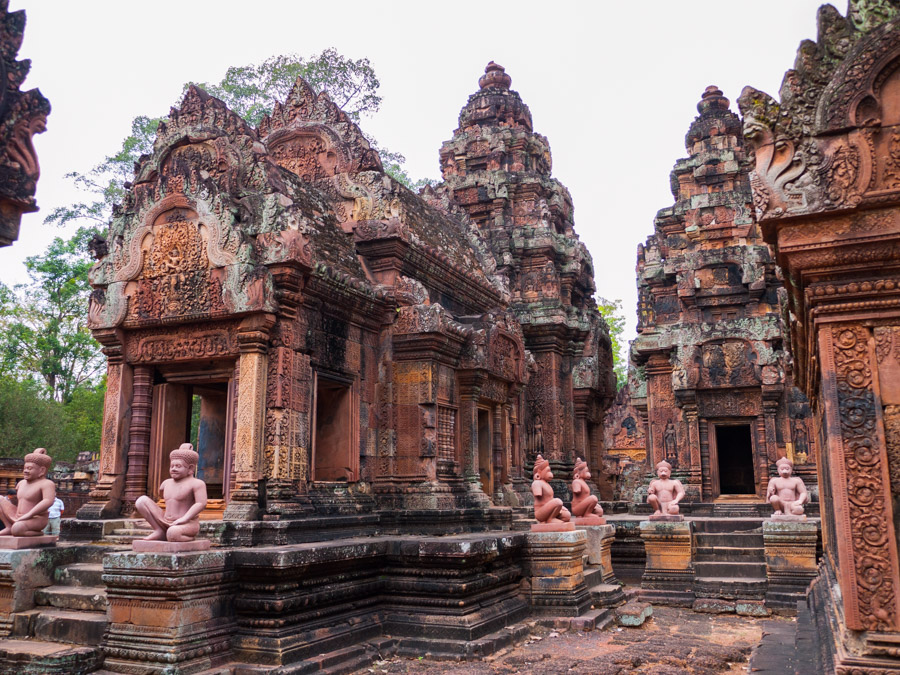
(80, 574)
(37, 657)
(63, 633)
(70, 626)
(730, 587)
(731, 569)
(728, 554)
(89, 598)
(729, 539)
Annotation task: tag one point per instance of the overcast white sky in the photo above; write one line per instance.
(613, 85)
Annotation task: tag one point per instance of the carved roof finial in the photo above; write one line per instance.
(494, 76)
(712, 99)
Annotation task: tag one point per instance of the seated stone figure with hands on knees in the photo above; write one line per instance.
(185, 498)
(34, 495)
(786, 493)
(547, 508)
(585, 506)
(664, 492)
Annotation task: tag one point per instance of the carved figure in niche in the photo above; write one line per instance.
(185, 498)
(670, 443)
(547, 508)
(585, 506)
(786, 493)
(801, 441)
(664, 494)
(34, 497)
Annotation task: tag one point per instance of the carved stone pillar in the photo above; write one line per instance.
(106, 497)
(691, 419)
(470, 391)
(706, 488)
(867, 564)
(247, 498)
(139, 437)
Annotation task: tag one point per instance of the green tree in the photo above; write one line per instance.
(28, 420)
(83, 421)
(43, 328)
(611, 311)
(251, 91)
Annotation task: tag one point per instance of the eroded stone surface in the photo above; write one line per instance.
(711, 392)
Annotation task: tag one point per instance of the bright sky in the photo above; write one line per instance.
(612, 85)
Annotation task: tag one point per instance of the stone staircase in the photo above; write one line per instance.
(62, 634)
(729, 567)
(128, 530)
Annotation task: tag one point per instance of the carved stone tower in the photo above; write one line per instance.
(713, 380)
(498, 170)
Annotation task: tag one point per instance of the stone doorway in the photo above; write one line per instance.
(192, 408)
(734, 453)
(333, 457)
(485, 453)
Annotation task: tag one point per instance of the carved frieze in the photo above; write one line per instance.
(872, 578)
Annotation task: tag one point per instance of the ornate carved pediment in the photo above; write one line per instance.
(22, 115)
(726, 363)
(310, 136)
(834, 140)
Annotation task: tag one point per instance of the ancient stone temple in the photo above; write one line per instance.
(497, 170)
(826, 189)
(22, 115)
(713, 389)
(355, 348)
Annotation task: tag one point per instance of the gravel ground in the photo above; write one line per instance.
(673, 642)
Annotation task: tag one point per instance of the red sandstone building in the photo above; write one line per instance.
(355, 347)
(711, 391)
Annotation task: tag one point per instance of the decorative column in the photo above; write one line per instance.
(497, 451)
(246, 497)
(106, 497)
(470, 391)
(867, 564)
(139, 438)
(691, 419)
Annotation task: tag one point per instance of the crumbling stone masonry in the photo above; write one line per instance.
(713, 388)
(826, 190)
(22, 115)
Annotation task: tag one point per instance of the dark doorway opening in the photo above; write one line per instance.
(485, 456)
(332, 445)
(734, 448)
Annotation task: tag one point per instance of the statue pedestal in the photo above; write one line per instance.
(787, 518)
(790, 561)
(669, 573)
(553, 527)
(144, 546)
(666, 518)
(554, 573)
(168, 612)
(589, 520)
(598, 548)
(16, 543)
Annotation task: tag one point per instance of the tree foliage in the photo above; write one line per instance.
(29, 420)
(43, 330)
(251, 91)
(611, 311)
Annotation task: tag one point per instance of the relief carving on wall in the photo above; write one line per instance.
(727, 363)
(875, 579)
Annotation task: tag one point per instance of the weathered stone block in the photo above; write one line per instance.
(633, 613)
(554, 571)
(168, 613)
(668, 574)
(16, 543)
(790, 562)
(598, 547)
